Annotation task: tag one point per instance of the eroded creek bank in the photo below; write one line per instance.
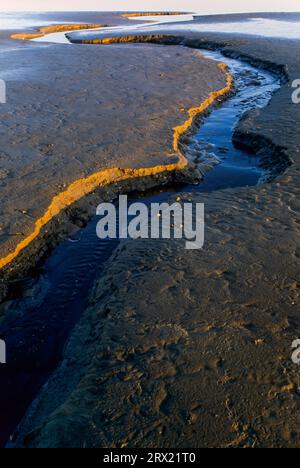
(43, 309)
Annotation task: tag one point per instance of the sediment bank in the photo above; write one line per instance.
(43, 31)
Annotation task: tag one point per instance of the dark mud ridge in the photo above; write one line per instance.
(274, 158)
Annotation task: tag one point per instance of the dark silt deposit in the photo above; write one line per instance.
(173, 345)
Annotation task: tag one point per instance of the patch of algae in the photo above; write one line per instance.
(41, 32)
(82, 187)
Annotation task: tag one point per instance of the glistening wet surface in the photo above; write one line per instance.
(40, 317)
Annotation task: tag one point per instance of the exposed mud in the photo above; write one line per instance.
(177, 344)
(26, 237)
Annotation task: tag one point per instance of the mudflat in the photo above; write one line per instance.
(75, 111)
(193, 349)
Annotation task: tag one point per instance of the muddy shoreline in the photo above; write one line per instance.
(67, 286)
(195, 341)
(80, 212)
(53, 234)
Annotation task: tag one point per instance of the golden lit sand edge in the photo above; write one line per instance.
(41, 32)
(153, 13)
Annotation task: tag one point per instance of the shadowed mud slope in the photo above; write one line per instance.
(177, 344)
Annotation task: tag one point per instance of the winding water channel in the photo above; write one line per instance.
(43, 309)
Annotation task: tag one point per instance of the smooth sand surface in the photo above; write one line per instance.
(193, 348)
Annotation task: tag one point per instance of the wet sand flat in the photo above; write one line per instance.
(73, 111)
(193, 349)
